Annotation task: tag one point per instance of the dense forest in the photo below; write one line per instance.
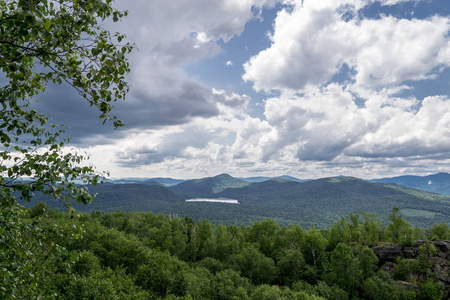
(49, 254)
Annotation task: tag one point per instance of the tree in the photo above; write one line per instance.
(399, 230)
(272, 292)
(262, 234)
(343, 269)
(226, 243)
(354, 226)
(39, 209)
(290, 237)
(228, 284)
(439, 232)
(291, 266)
(42, 42)
(339, 233)
(254, 265)
(372, 228)
(381, 286)
(315, 245)
(367, 261)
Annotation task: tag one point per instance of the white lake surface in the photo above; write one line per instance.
(231, 201)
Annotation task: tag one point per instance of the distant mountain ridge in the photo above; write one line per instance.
(150, 181)
(207, 187)
(436, 183)
(171, 182)
(322, 201)
(263, 178)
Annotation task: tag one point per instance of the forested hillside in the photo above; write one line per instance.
(207, 187)
(136, 255)
(320, 202)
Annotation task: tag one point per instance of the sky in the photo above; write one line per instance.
(305, 88)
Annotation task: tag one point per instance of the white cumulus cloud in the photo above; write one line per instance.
(315, 39)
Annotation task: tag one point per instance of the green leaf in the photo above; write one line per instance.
(96, 51)
(47, 24)
(34, 32)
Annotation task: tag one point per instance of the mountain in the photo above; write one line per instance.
(125, 196)
(152, 182)
(437, 183)
(165, 181)
(130, 197)
(320, 202)
(287, 177)
(127, 180)
(261, 178)
(255, 179)
(326, 199)
(207, 187)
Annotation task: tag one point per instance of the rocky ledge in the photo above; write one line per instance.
(389, 254)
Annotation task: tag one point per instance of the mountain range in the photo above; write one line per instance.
(436, 183)
(320, 202)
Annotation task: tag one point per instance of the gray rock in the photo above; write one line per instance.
(388, 253)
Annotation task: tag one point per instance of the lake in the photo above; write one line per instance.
(219, 200)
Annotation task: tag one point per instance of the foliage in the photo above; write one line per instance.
(291, 267)
(439, 232)
(314, 246)
(431, 290)
(228, 284)
(419, 269)
(426, 253)
(48, 42)
(381, 286)
(255, 265)
(39, 209)
(320, 291)
(262, 234)
(28, 254)
(53, 41)
(399, 230)
(61, 40)
(343, 269)
(403, 269)
(118, 256)
(271, 292)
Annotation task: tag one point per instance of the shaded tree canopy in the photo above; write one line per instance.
(53, 42)
(46, 42)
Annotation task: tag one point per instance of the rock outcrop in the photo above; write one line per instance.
(388, 255)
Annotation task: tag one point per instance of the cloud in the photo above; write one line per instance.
(325, 123)
(394, 51)
(312, 42)
(193, 139)
(410, 133)
(143, 109)
(203, 146)
(337, 79)
(154, 22)
(316, 117)
(167, 36)
(317, 125)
